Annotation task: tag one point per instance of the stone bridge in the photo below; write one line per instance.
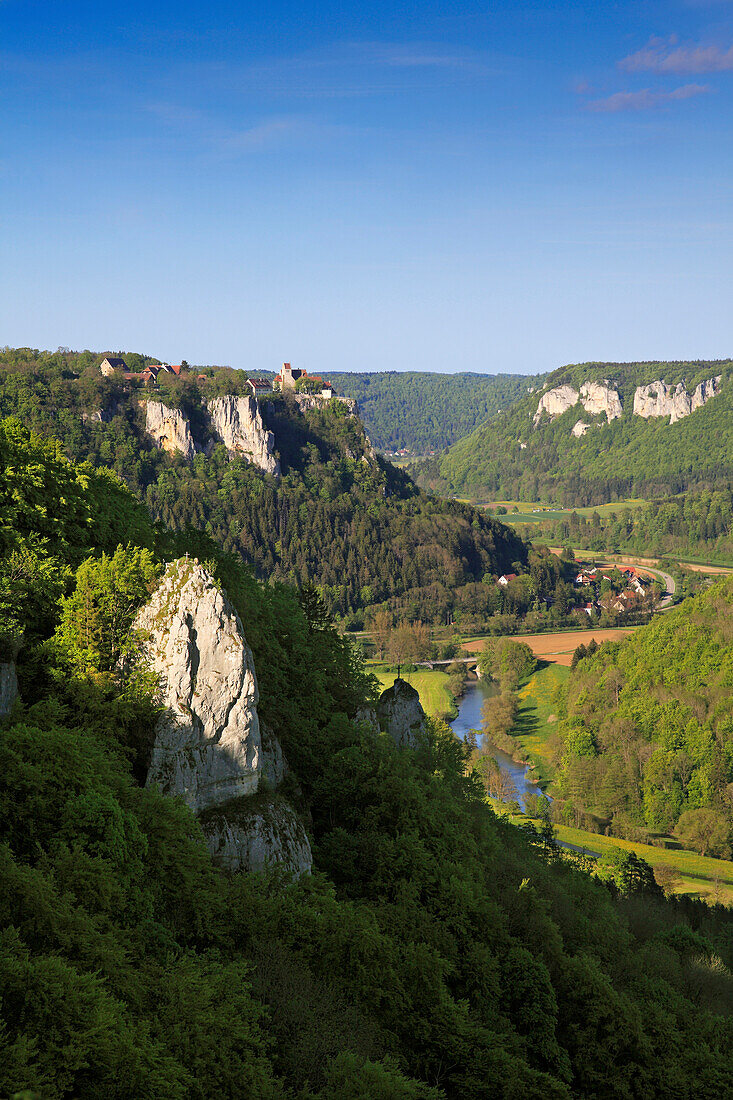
(470, 662)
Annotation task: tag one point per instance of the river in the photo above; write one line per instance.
(469, 718)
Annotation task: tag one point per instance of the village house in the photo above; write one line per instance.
(505, 578)
(113, 365)
(110, 364)
(259, 386)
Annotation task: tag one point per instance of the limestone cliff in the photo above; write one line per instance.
(601, 397)
(595, 397)
(237, 423)
(400, 714)
(208, 747)
(169, 429)
(315, 401)
(257, 832)
(8, 687)
(556, 402)
(705, 391)
(580, 427)
(659, 399)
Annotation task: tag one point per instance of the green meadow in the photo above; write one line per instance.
(700, 876)
(537, 512)
(536, 719)
(432, 685)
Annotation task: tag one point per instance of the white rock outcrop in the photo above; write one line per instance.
(705, 391)
(595, 397)
(556, 402)
(580, 427)
(169, 429)
(208, 748)
(8, 687)
(659, 399)
(400, 714)
(207, 745)
(237, 423)
(601, 397)
(265, 834)
(315, 401)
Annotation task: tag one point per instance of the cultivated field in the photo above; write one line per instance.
(557, 647)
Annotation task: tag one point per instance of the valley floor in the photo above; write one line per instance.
(700, 876)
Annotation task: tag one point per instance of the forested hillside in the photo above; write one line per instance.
(512, 457)
(695, 524)
(340, 517)
(436, 953)
(647, 729)
(421, 412)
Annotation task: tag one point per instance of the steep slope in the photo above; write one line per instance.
(647, 737)
(598, 432)
(437, 954)
(422, 412)
(298, 492)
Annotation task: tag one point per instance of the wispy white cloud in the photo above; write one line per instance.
(412, 56)
(664, 55)
(226, 139)
(645, 99)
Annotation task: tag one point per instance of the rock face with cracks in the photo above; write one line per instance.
(659, 399)
(169, 429)
(400, 714)
(596, 398)
(601, 397)
(237, 423)
(556, 402)
(208, 747)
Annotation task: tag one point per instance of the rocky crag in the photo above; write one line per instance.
(400, 714)
(659, 399)
(169, 429)
(234, 421)
(209, 748)
(237, 423)
(596, 398)
(599, 398)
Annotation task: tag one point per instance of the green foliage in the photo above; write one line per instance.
(420, 412)
(705, 830)
(340, 518)
(647, 735)
(94, 633)
(435, 952)
(697, 523)
(508, 458)
(629, 873)
(507, 661)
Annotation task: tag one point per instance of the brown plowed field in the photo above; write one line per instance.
(557, 647)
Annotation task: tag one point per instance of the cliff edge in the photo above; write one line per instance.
(208, 747)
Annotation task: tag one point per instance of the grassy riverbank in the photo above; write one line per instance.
(700, 876)
(536, 718)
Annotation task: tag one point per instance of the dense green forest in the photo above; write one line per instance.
(646, 737)
(509, 458)
(436, 952)
(340, 518)
(421, 412)
(696, 524)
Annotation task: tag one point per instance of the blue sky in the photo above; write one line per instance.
(372, 186)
